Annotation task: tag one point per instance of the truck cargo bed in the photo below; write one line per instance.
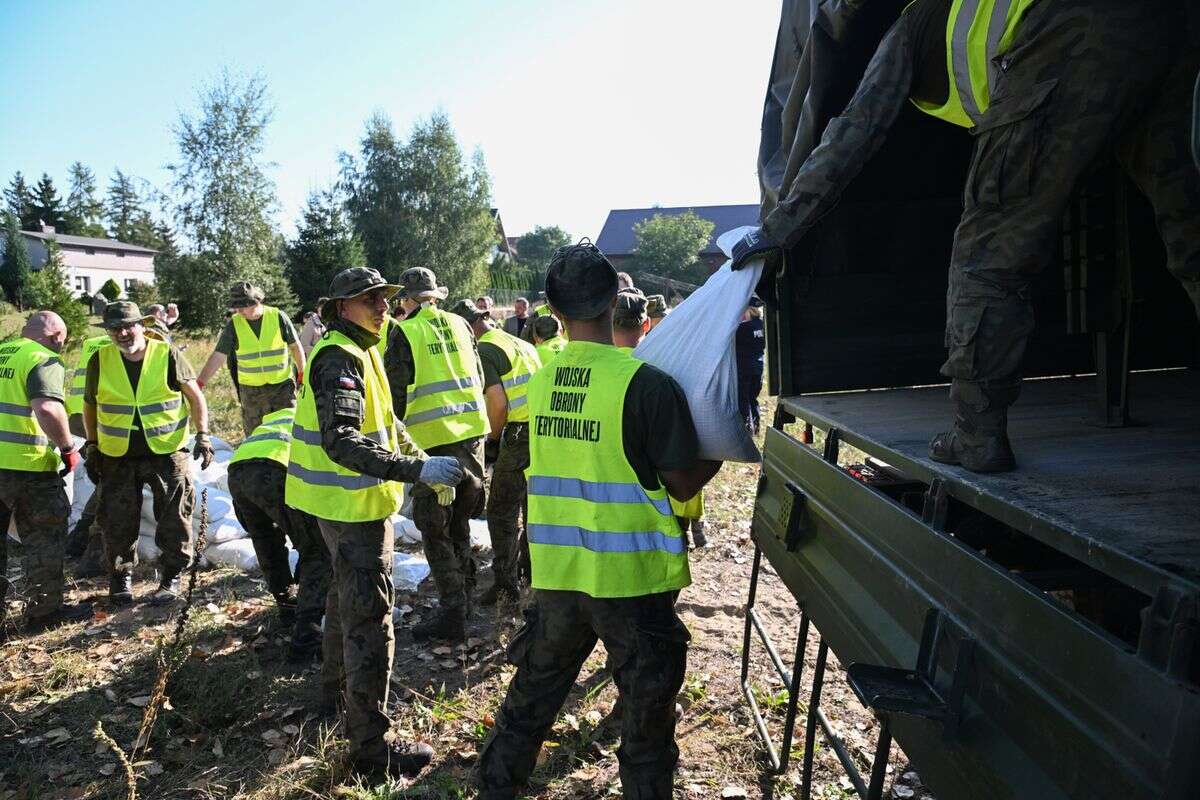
(1126, 501)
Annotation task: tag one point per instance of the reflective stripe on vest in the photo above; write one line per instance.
(79, 375)
(523, 362)
(444, 403)
(23, 446)
(593, 527)
(549, 348)
(317, 485)
(161, 410)
(977, 32)
(262, 359)
(270, 440)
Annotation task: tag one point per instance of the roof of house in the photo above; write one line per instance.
(617, 237)
(65, 240)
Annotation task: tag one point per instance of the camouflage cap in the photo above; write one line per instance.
(244, 294)
(351, 283)
(420, 282)
(631, 308)
(467, 310)
(121, 314)
(656, 306)
(580, 281)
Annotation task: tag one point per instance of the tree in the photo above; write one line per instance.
(111, 290)
(325, 244)
(419, 204)
(84, 209)
(225, 200)
(15, 269)
(122, 206)
(535, 248)
(142, 293)
(48, 291)
(19, 200)
(47, 205)
(669, 245)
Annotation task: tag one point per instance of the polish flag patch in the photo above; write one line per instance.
(347, 383)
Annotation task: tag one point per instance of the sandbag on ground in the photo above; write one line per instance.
(694, 344)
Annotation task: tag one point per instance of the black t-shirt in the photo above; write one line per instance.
(658, 433)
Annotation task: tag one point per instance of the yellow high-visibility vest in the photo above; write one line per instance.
(593, 527)
(264, 359)
(977, 32)
(79, 375)
(163, 414)
(445, 399)
(523, 361)
(549, 348)
(23, 445)
(317, 485)
(271, 440)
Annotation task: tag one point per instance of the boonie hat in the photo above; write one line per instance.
(656, 306)
(580, 281)
(121, 314)
(631, 307)
(466, 309)
(421, 282)
(351, 283)
(244, 294)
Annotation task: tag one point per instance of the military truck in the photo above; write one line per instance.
(1023, 635)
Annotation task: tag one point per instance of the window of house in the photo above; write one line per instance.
(120, 254)
(83, 284)
(129, 283)
(91, 251)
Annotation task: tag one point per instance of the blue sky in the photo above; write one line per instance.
(579, 106)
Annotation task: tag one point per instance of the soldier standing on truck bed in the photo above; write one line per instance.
(35, 446)
(609, 439)
(1046, 88)
(262, 338)
(347, 460)
(508, 364)
(437, 390)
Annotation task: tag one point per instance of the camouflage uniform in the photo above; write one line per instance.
(359, 639)
(1081, 77)
(258, 401)
(38, 501)
(170, 481)
(506, 504)
(257, 488)
(446, 530)
(647, 645)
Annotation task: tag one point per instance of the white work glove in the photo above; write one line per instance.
(445, 494)
(441, 469)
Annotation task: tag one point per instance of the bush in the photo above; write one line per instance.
(142, 293)
(111, 290)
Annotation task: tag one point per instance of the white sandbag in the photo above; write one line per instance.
(225, 530)
(408, 571)
(694, 344)
(237, 553)
(479, 535)
(147, 550)
(406, 530)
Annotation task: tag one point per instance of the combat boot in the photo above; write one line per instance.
(286, 603)
(63, 615)
(448, 623)
(168, 591)
(399, 759)
(698, 538)
(306, 641)
(979, 439)
(120, 588)
(502, 591)
(78, 538)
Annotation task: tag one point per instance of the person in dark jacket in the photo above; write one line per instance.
(751, 342)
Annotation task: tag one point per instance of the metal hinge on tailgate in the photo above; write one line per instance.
(1170, 628)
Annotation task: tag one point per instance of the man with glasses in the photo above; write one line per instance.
(139, 395)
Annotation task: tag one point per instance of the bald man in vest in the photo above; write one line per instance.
(1046, 88)
(36, 450)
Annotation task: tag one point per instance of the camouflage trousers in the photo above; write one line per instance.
(257, 490)
(506, 504)
(120, 514)
(359, 640)
(1083, 78)
(647, 645)
(258, 401)
(38, 502)
(445, 530)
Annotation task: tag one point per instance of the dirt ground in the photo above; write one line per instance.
(241, 722)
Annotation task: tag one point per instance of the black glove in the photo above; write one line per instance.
(754, 245)
(491, 451)
(203, 450)
(91, 461)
